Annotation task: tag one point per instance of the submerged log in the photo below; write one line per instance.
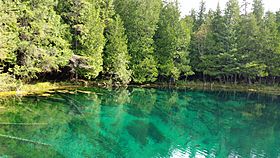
(24, 140)
(24, 124)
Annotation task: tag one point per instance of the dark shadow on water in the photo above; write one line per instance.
(141, 131)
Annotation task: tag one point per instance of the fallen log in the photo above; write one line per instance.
(23, 140)
(24, 124)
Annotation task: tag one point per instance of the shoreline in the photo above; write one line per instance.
(43, 87)
(255, 88)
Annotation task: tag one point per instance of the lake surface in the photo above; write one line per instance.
(140, 123)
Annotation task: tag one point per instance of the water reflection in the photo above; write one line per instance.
(137, 122)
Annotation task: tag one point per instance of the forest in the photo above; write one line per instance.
(138, 41)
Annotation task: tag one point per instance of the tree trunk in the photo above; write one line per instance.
(76, 76)
(249, 81)
(273, 80)
(203, 76)
(220, 80)
(235, 79)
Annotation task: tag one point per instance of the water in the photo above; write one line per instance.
(140, 123)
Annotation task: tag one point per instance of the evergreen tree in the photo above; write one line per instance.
(232, 20)
(199, 44)
(258, 10)
(214, 60)
(140, 20)
(107, 10)
(41, 46)
(8, 35)
(172, 39)
(270, 41)
(116, 57)
(193, 18)
(278, 20)
(201, 14)
(83, 17)
(198, 36)
(248, 49)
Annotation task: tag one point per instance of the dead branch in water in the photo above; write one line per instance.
(23, 140)
(24, 124)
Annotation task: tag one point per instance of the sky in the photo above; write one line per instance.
(187, 5)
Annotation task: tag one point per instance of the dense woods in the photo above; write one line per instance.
(138, 41)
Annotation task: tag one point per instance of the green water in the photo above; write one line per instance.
(140, 123)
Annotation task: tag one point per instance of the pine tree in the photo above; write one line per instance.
(232, 20)
(8, 35)
(199, 45)
(116, 57)
(115, 54)
(215, 59)
(249, 50)
(107, 10)
(41, 46)
(87, 37)
(258, 10)
(140, 20)
(200, 31)
(172, 39)
(201, 14)
(270, 41)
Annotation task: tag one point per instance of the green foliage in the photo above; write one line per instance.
(270, 44)
(249, 47)
(258, 10)
(137, 40)
(172, 39)
(199, 43)
(7, 82)
(201, 15)
(86, 33)
(41, 46)
(140, 20)
(212, 60)
(116, 57)
(8, 32)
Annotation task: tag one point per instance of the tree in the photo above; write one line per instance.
(249, 50)
(87, 37)
(8, 35)
(199, 45)
(107, 10)
(115, 54)
(201, 14)
(41, 46)
(140, 20)
(213, 60)
(172, 39)
(270, 41)
(116, 57)
(258, 10)
(232, 20)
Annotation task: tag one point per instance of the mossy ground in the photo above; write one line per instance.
(38, 88)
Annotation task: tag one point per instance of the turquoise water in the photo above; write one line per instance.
(140, 123)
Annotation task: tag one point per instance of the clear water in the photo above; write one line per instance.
(140, 123)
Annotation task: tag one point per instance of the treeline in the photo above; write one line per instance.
(137, 41)
(231, 46)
